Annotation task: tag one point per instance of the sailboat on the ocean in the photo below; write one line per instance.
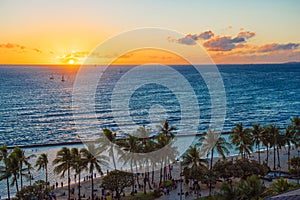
(51, 77)
(63, 78)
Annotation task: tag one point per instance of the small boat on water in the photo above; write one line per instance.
(51, 77)
(63, 78)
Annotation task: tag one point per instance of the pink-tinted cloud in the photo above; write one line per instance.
(228, 43)
(278, 47)
(190, 39)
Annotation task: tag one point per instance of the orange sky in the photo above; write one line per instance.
(66, 32)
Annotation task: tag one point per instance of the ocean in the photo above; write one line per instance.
(36, 105)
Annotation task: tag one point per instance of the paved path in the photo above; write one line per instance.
(174, 194)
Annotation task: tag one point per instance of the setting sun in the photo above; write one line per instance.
(71, 61)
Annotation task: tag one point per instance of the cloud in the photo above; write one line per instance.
(246, 34)
(12, 46)
(190, 39)
(278, 47)
(18, 47)
(227, 43)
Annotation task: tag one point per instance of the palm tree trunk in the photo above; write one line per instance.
(160, 174)
(267, 155)
(21, 178)
(149, 184)
(289, 157)
(8, 189)
(79, 177)
(113, 157)
(258, 153)
(46, 176)
(153, 175)
(278, 157)
(69, 189)
(131, 168)
(92, 187)
(211, 166)
(17, 186)
(145, 181)
(274, 161)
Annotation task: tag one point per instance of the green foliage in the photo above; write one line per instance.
(281, 185)
(295, 165)
(38, 191)
(241, 168)
(249, 189)
(167, 183)
(116, 181)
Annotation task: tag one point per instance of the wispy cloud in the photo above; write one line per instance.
(278, 47)
(14, 46)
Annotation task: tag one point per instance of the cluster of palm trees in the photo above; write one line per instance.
(16, 167)
(243, 139)
(87, 159)
(270, 137)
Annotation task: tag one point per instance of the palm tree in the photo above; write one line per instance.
(281, 185)
(93, 158)
(296, 124)
(211, 142)
(108, 139)
(166, 129)
(257, 137)
(192, 159)
(22, 160)
(4, 157)
(42, 163)
(13, 167)
(63, 162)
(274, 141)
(290, 138)
(265, 139)
(78, 166)
(242, 139)
(131, 145)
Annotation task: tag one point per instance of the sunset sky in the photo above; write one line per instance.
(65, 32)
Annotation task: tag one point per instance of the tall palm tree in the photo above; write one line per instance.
(6, 175)
(130, 145)
(257, 138)
(166, 130)
(78, 166)
(242, 139)
(265, 139)
(108, 140)
(13, 167)
(274, 141)
(290, 138)
(23, 160)
(211, 142)
(93, 157)
(192, 159)
(63, 162)
(42, 163)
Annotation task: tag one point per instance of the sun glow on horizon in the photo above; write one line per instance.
(71, 62)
